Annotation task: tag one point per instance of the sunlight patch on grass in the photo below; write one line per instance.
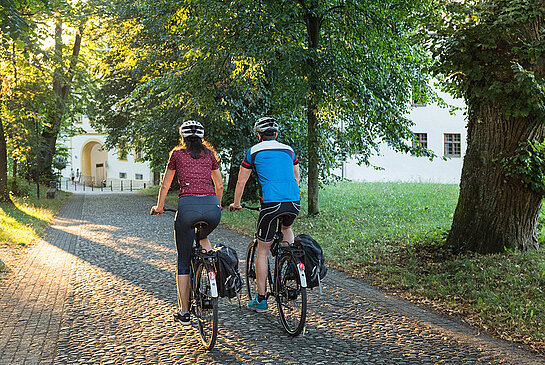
(28, 217)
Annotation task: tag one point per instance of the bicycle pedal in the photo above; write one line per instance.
(207, 304)
(292, 294)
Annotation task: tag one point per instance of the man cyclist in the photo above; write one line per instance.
(277, 169)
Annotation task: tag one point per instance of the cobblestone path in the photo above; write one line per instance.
(100, 289)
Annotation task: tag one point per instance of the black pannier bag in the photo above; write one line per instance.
(315, 269)
(227, 276)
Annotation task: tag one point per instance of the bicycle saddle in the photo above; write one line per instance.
(199, 225)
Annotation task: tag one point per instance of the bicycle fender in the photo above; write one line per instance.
(302, 276)
(213, 284)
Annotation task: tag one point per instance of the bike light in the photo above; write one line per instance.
(212, 275)
(301, 266)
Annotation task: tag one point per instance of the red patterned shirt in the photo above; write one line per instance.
(194, 175)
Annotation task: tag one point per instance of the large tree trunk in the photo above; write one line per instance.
(495, 212)
(62, 84)
(313, 33)
(4, 191)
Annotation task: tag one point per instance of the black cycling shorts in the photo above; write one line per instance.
(190, 210)
(268, 217)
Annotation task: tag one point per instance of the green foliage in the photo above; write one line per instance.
(22, 189)
(33, 75)
(227, 64)
(527, 163)
(490, 53)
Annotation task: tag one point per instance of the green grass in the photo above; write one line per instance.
(28, 217)
(357, 217)
(392, 235)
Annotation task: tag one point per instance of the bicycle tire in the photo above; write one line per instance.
(291, 298)
(206, 308)
(250, 271)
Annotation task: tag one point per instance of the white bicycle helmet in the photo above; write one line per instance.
(191, 128)
(266, 124)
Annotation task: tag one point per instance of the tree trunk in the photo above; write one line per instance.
(313, 33)
(14, 174)
(62, 84)
(4, 191)
(494, 212)
(313, 160)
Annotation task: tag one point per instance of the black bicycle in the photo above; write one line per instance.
(287, 281)
(203, 299)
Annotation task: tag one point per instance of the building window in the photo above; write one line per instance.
(122, 175)
(122, 155)
(139, 176)
(138, 156)
(421, 140)
(79, 119)
(453, 145)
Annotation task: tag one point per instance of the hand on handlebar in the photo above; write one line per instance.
(234, 207)
(155, 210)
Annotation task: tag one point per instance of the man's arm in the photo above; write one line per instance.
(243, 176)
(296, 173)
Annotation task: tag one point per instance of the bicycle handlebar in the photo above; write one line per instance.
(248, 207)
(169, 210)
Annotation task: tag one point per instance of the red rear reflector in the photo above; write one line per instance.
(301, 266)
(212, 275)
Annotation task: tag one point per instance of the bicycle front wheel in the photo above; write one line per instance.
(251, 275)
(292, 297)
(206, 307)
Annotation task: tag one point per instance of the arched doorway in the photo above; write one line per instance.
(94, 163)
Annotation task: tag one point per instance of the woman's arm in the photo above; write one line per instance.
(165, 186)
(218, 183)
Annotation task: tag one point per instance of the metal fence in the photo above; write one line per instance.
(90, 185)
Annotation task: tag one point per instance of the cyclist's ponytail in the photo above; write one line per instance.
(196, 146)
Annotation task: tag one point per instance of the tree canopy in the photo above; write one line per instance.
(339, 75)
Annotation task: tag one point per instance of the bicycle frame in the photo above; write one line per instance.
(199, 254)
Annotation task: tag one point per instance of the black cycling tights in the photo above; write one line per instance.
(192, 209)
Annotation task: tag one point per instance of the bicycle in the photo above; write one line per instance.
(203, 297)
(287, 282)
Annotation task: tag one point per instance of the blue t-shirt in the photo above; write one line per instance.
(273, 162)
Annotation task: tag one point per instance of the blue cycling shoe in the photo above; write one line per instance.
(257, 306)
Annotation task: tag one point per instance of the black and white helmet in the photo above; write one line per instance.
(266, 124)
(191, 128)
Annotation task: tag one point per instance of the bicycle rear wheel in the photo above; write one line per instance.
(291, 297)
(206, 308)
(251, 276)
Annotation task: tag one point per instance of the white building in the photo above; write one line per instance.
(436, 128)
(97, 165)
(439, 131)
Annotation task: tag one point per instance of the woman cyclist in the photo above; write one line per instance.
(201, 187)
